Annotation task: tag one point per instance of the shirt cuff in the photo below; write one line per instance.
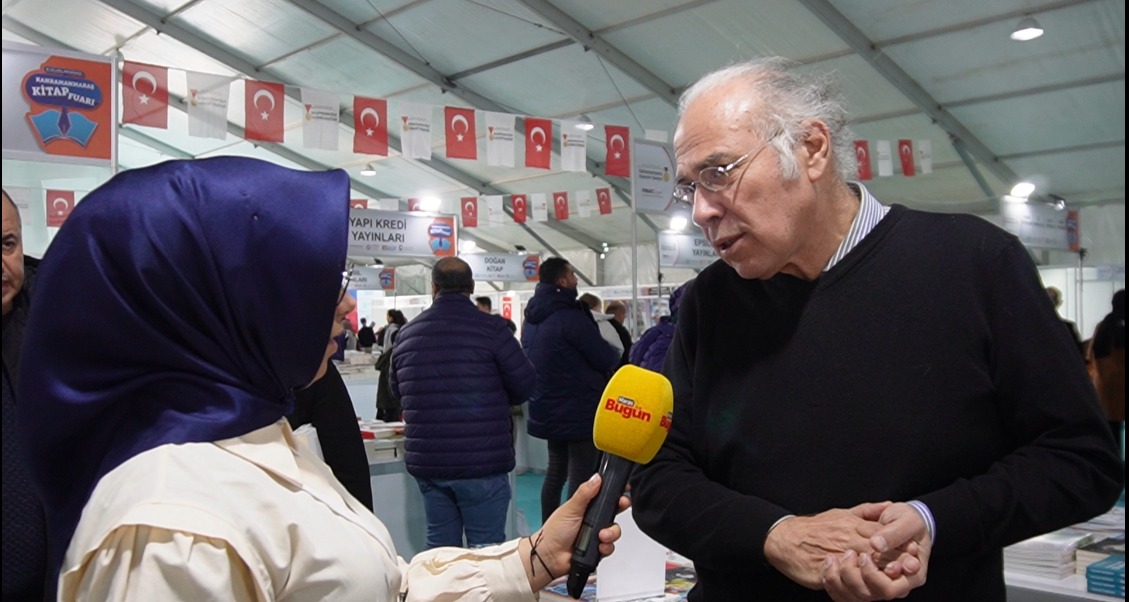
(927, 517)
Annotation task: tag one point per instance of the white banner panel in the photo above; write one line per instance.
(652, 181)
(372, 278)
(374, 233)
(682, 250)
(1040, 225)
(509, 267)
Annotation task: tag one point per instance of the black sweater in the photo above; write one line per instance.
(928, 364)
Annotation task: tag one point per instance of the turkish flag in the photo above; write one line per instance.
(145, 95)
(905, 153)
(370, 126)
(414, 205)
(862, 155)
(59, 206)
(521, 203)
(263, 103)
(470, 211)
(462, 141)
(358, 203)
(604, 200)
(618, 162)
(538, 142)
(560, 205)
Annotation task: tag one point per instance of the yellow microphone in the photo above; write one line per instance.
(631, 424)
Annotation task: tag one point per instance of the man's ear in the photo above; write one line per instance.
(815, 158)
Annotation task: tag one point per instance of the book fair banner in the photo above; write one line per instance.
(58, 105)
(652, 179)
(682, 250)
(507, 267)
(374, 233)
(1042, 226)
(373, 278)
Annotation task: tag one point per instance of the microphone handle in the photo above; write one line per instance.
(614, 471)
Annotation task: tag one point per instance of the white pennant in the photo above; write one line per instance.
(500, 139)
(207, 104)
(319, 119)
(415, 130)
(885, 159)
(539, 207)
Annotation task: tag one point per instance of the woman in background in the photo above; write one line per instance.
(197, 297)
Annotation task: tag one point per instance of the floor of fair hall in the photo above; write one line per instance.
(527, 497)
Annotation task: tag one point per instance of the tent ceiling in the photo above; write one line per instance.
(1051, 110)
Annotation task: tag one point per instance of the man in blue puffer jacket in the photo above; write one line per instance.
(457, 371)
(573, 365)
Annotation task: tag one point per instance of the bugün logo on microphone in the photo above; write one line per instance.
(625, 406)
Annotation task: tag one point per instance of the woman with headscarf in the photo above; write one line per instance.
(197, 297)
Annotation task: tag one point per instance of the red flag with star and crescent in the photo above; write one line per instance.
(618, 162)
(370, 126)
(604, 200)
(462, 140)
(862, 156)
(470, 211)
(560, 205)
(521, 203)
(60, 203)
(145, 95)
(264, 104)
(538, 142)
(905, 154)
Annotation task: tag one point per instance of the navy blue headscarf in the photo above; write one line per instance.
(179, 303)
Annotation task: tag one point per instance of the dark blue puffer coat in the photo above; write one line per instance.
(457, 371)
(650, 350)
(573, 364)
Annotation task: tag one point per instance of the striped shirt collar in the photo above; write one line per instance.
(870, 213)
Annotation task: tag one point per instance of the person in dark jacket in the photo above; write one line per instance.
(650, 350)
(457, 372)
(326, 406)
(366, 338)
(25, 531)
(573, 365)
(618, 311)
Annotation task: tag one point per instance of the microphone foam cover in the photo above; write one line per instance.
(635, 414)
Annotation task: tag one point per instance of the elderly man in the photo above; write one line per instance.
(25, 536)
(457, 372)
(864, 394)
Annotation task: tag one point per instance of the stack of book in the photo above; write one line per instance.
(1099, 549)
(1050, 555)
(1107, 576)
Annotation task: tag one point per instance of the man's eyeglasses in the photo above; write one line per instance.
(715, 178)
(346, 278)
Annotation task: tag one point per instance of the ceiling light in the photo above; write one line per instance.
(583, 123)
(678, 223)
(368, 170)
(1022, 190)
(467, 246)
(1027, 29)
(430, 203)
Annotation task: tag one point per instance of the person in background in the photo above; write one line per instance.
(395, 319)
(326, 406)
(388, 407)
(485, 305)
(193, 486)
(618, 311)
(458, 371)
(350, 335)
(603, 321)
(366, 338)
(870, 401)
(25, 531)
(650, 350)
(1106, 351)
(1056, 298)
(573, 364)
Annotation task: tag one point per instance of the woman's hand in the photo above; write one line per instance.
(547, 553)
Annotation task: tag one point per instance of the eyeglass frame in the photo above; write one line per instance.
(346, 277)
(686, 197)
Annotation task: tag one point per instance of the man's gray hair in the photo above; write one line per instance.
(787, 98)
